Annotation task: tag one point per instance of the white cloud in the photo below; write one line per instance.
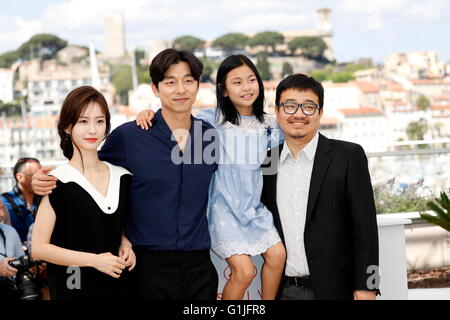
(250, 6)
(16, 30)
(401, 10)
(430, 11)
(374, 21)
(272, 21)
(82, 21)
(369, 6)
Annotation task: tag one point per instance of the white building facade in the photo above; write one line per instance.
(6, 85)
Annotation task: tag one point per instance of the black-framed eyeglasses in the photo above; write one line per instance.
(308, 108)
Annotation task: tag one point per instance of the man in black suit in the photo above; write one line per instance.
(322, 202)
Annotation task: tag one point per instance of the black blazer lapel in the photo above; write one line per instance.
(269, 194)
(322, 161)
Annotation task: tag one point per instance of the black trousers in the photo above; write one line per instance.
(293, 292)
(174, 275)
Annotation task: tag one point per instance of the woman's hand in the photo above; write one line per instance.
(126, 253)
(109, 264)
(144, 118)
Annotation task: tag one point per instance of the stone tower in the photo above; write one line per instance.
(325, 30)
(115, 35)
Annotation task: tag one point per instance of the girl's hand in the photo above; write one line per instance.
(144, 118)
(126, 253)
(109, 264)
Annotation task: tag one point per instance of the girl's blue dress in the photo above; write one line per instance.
(238, 222)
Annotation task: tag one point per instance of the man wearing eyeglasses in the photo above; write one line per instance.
(322, 201)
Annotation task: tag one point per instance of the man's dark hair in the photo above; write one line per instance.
(20, 163)
(163, 60)
(300, 82)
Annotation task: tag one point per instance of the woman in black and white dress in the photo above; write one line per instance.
(80, 224)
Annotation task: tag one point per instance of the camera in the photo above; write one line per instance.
(25, 280)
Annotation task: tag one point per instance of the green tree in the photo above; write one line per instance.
(343, 76)
(44, 46)
(423, 103)
(262, 64)
(41, 45)
(230, 42)
(323, 74)
(10, 109)
(7, 59)
(319, 75)
(286, 69)
(353, 67)
(311, 47)
(267, 39)
(208, 68)
(143, 74)
(141, 70)
(139, 54)
(121, 78)
(189, 43)
(416, 129)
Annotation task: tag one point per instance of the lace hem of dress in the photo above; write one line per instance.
(229, 248)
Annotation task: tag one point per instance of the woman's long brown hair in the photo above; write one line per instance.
(73, 107)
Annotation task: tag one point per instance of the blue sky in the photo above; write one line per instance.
(362, 28)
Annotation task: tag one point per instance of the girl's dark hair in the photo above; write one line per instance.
(224, 104)
(73, 107)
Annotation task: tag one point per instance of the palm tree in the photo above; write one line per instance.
(441, 206)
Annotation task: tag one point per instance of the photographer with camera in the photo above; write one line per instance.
(18, 272)
(10, 249)
(21, 202)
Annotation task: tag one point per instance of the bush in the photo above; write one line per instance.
(390, 198)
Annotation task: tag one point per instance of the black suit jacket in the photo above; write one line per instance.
(341, 235)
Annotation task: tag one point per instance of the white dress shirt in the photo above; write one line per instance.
(294, 177)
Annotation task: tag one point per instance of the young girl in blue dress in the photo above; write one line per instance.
(240, 225)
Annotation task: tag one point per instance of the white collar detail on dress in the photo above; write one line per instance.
(67, 173)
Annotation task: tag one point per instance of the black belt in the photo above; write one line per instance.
(180, 256)
(300, 281)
